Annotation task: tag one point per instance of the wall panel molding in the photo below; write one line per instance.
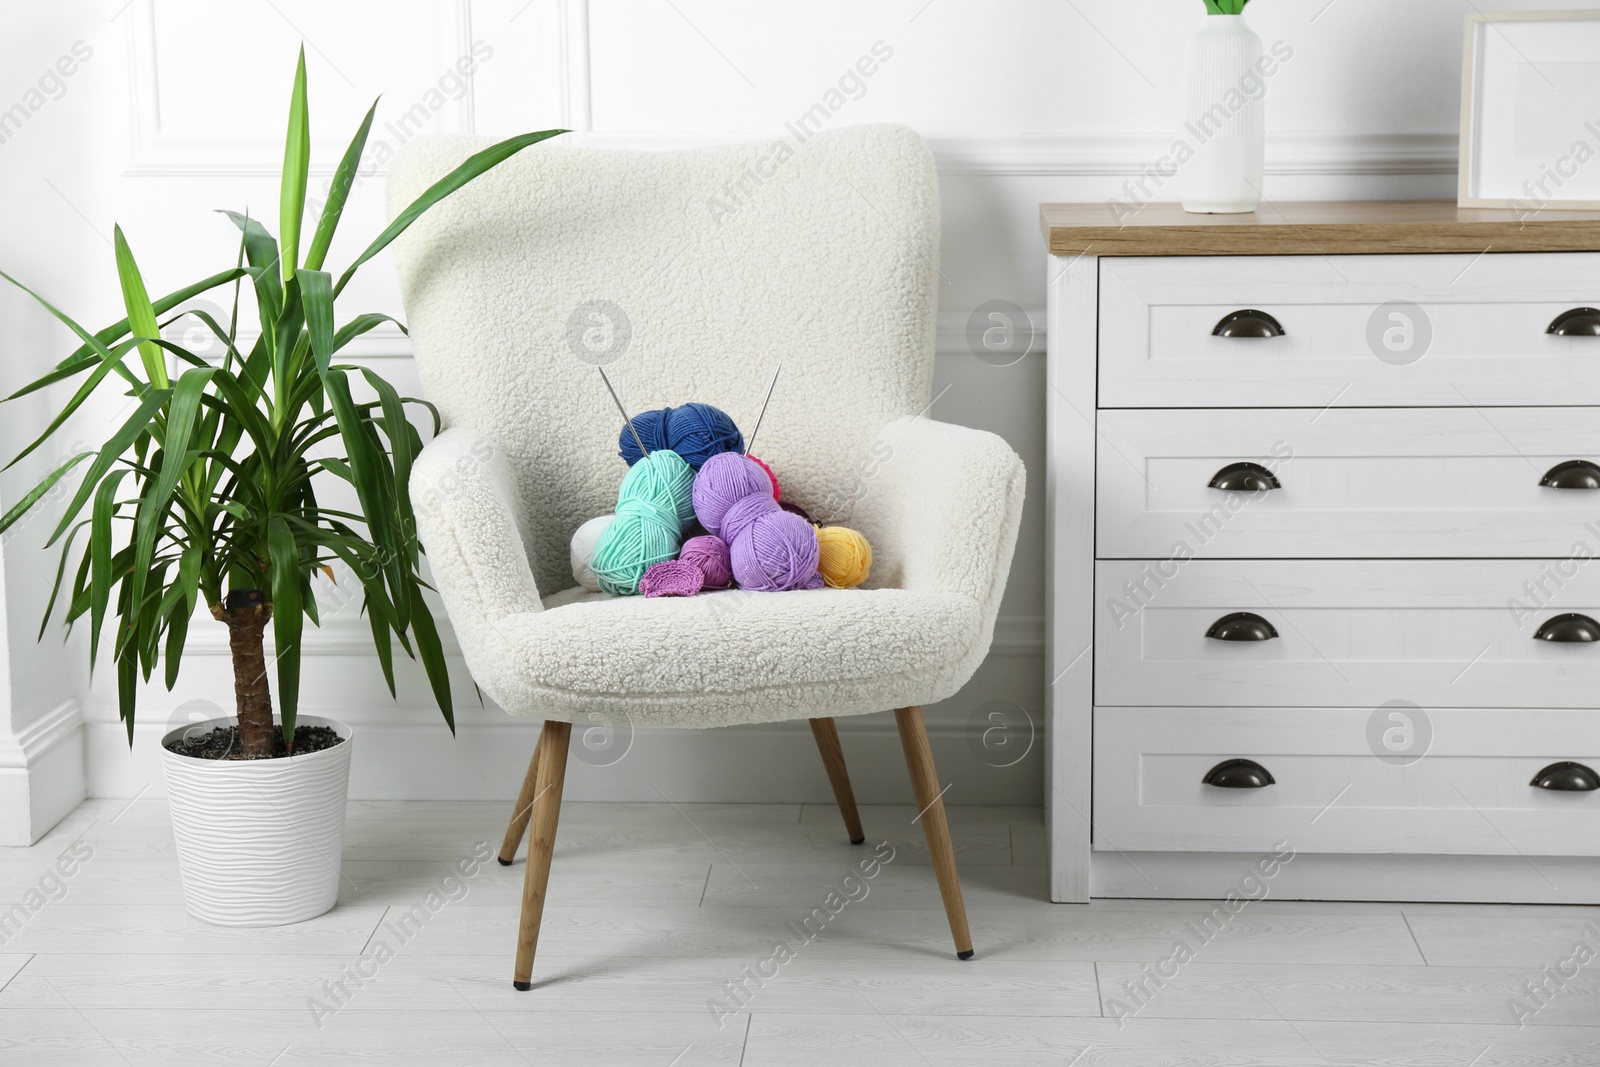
(388, 342)
(346, 633)
(157, 152)
(1086, 155)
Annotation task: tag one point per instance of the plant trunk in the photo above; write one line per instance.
(247, 619)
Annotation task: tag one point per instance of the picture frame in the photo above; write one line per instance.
(1530, 110)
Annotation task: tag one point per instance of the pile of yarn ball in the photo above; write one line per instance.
(694, 431)
(770, 549)
(696, 470)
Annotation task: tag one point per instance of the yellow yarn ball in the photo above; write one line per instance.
(844, 558)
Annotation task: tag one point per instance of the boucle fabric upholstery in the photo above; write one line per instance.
(829, 264)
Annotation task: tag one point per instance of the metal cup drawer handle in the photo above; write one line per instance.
(1566, 777)
(1570, 628)
(1572, 474)
(1247, 477)
(1239, 774)
(1579, 322)
(1242, 626)
(1248, 322)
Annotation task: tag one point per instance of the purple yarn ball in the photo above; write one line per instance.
(791, 506)
(744, 512)
(710, 554)
(671, 577)
(775, 551)
(724, 480)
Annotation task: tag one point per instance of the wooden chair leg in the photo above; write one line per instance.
(827, 735)
(521, 813)
(551, 767)
(930, 802)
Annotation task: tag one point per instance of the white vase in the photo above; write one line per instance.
(259, 841)
(1223, 117)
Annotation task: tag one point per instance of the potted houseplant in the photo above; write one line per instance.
(210, 498)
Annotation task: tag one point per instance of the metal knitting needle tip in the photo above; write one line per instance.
(618, 401)
(749, 444)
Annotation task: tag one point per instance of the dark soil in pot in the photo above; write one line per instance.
(223, 743)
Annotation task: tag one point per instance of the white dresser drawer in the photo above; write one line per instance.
(1470, 793)
(1477, 331)
(1442, 633)
(1381, 482)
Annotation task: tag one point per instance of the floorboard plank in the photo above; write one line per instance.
(1525, 940)
(1343, 993)
(656, 945)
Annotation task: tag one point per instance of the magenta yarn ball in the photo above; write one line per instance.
(710, 554)
(777, 491)
(775, 550)
(671, 577)
(722, 481)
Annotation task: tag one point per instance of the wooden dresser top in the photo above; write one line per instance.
(1328, 227)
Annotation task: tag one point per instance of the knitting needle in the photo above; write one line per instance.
(637, 439)
(751, 442)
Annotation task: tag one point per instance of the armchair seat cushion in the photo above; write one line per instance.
(731, 657)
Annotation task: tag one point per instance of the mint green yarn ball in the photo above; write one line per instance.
(654, 507)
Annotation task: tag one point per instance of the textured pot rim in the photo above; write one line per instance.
(344, 732)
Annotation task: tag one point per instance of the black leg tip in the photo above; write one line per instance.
(503, 863)
(967, 955)
(858, 840)
(524, 986)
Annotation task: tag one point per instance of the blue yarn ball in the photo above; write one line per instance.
(694, 431)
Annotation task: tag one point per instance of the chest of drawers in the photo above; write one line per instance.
(1324, 565)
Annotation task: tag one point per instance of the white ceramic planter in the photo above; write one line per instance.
(1222, 123)
(259, 841)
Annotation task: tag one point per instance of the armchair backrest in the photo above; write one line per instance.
(705, 267)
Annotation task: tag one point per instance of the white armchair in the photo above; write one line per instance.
(714, 264)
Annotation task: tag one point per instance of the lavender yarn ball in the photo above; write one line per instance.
(745, 512)
(791, 506)
(710, 554)
(776, 550)
(722, 481)
(672, 577)
(694, 431)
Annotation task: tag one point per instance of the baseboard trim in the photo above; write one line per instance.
(1324, 876)
(766, 763)
(41, 735)
(42, 774)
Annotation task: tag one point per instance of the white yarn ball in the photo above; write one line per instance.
(583, 543)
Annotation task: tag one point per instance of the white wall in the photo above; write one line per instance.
(180, 110)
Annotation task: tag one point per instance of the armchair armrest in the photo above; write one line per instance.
(466, 506)
(941, 505)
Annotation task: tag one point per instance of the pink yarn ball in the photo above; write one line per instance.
(724, 480)
(671, 577)
(710, 554)
(777, 492)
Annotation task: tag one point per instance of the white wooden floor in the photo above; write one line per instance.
(654, 908)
